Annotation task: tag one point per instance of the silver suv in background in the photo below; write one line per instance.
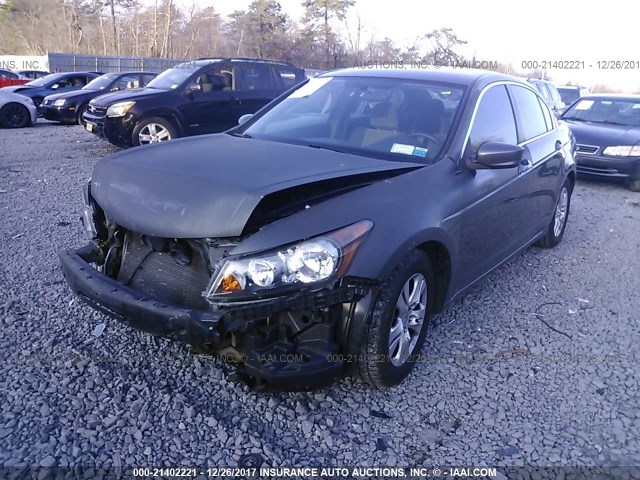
(550, 94)
(571, 93)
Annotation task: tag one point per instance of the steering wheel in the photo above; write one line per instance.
(423, 136)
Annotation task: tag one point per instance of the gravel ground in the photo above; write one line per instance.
(538, 365)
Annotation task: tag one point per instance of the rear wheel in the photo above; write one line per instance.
(634, 185)
(398, 325)
(14, 115)
(153, 130)
(558, 223)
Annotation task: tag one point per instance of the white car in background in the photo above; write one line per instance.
(16, 111)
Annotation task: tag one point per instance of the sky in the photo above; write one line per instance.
(508, 32)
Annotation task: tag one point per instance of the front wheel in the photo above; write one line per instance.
(153, 130)
(398, 324)
(81, 110)
(14, 115)
(634, 185)
(555, 230)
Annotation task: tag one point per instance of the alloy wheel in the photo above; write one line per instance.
(153, 133)
(561, 211)
(15, 116)
(408, 319)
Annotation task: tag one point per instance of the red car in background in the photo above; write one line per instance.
(9, 78)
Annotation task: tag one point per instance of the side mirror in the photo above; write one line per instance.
(496, 155)
(245, 118)
(194, 88)
(115, 89)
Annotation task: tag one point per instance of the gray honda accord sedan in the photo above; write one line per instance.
(316, 238)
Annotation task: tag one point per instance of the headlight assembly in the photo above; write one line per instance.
(303, 263)
(60, 102)
(119, 109)
(623, 151)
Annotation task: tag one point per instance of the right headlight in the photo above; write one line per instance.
(307, 262)
(119, 109)
(60, 102)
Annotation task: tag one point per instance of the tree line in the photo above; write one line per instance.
(321, 39)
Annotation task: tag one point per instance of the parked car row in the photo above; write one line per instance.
(19, 77)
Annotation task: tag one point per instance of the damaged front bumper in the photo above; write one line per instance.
(299, 350)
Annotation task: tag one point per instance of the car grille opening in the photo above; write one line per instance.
(160, 275)
(97, 110)
(587, 149)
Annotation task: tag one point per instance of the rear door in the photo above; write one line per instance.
(493, 214)
(255, 84)
(543, 156)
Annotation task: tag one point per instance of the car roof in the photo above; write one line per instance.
(460, 76)
(205, 61)
(612, 96)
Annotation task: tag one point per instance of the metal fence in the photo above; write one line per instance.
(62, 62)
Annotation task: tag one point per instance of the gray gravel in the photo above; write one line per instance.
(498, 385)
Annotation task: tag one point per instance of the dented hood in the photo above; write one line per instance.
(209, 186)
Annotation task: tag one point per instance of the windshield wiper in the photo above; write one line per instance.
(241, 135)
(573, 118)
(324, 147)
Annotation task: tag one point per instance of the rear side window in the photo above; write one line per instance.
(544, 91)
(494, 120)
(531, 118)
(555, 96)
(288, 76)
(253, 77)
(547, 115)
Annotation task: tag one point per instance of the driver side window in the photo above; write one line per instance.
(494, 120)
(211, 80)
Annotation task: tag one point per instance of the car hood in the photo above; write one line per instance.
(16, 88)
(603, 135)
(73, 94)
(209, 186)
(109, 99)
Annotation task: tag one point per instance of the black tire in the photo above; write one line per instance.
(163, 122)
(634, 185)
(81, 110)
(375, 364)
(14, 115)
(552, 237)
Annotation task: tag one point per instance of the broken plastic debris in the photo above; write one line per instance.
(98, 330)
(572, 311)
(583, 300)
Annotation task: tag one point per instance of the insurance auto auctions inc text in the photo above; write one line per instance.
(369, 472)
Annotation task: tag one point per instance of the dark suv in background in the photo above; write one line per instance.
(193, 98)
(550, 94)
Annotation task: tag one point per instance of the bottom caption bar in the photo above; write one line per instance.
(209, 473)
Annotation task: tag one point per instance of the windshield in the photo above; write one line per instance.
(393, 119)
(172, 78)
(612, 111)
(42, 81)
(101, 82)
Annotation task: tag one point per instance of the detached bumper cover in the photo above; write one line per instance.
(271, 357)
